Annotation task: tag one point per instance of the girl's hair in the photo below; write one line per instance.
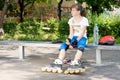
(80, 8)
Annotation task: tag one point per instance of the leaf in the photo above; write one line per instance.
(58, 1)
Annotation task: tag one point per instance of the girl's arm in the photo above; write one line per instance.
(70, 35)
(71, 32)
(82, 33)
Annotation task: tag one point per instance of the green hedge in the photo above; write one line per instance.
(108, 25)
(32, 30)
(10, 28)
(26, 30)
(63, 28)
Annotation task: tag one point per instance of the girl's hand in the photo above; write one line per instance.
(67, 42)
(70, 47)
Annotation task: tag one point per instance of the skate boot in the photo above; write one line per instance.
(55, 67)
(74, 68)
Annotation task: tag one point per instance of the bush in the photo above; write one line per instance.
(52, 23)
(10, 28)
(31, 29)
(63, 28)
(108, 25)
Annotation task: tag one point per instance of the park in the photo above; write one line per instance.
(31, 32)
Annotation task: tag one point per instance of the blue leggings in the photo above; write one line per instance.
(81, 43)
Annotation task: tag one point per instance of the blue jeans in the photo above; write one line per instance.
(81, 43)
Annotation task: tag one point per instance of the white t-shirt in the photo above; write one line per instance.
(77, 28)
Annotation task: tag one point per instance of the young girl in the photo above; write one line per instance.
(76, 39)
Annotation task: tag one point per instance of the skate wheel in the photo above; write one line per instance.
(60, 71)
(49, 70)
(66, 72)
(72, 71)
(82, 70)
(77, 71)
(54, 70)
(43, 69)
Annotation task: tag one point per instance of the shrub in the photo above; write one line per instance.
(31, 29)
(10, 28)
(108, 25)
(63, 28)
(52, 23)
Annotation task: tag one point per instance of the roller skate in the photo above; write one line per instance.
(74, 68)
(55, 67)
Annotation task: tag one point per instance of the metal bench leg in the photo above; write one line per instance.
(21, 52)
(98, 57)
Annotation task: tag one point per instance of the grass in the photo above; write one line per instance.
(117, 41)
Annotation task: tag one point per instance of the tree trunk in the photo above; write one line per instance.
(2, 18)
(21, 4)
(96, 9)
(59, 9)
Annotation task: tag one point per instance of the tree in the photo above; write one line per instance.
(59, 8)
(24, 3)
(2, 17)
(1, 4)
(97, 6)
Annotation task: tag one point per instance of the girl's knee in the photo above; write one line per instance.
(63, 46)
(81, 49)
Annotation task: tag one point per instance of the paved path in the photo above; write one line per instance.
(29, 69)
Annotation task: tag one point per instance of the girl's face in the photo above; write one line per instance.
(75, 12)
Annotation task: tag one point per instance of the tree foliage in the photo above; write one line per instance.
(24, 3)
(1, 4)
(2, 17)
(97, 6)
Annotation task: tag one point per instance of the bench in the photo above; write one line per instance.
(22, 45)
(99, 53)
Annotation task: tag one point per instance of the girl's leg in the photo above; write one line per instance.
(78, 55)
(81, 45)
(62, 54)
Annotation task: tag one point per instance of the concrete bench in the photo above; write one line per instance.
(99, 53)
(22, 44)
